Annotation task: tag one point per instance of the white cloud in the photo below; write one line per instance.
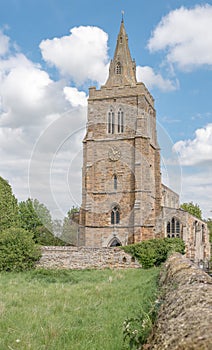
(75, 97)
(38, 114)
(152, 79)
(24, 87)
(4, 43)
(55, 159)
(28, 96)
(82, 55)
(23, 91)
(186, 35)
(197, 187)
(198, 150)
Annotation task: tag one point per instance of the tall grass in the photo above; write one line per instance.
(65, 310)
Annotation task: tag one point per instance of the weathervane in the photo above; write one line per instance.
(122, 13)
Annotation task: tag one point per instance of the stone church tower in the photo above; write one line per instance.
(121, 185)
(123, 199)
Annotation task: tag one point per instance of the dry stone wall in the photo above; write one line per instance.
(85, 258)
(185, 317)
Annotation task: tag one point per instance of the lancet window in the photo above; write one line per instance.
(120, 121)
(115, 215)
(115, 182)
(111, 122)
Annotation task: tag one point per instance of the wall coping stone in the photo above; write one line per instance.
(185, 316)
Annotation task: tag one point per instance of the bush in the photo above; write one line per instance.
(18, 251)
(153, 252)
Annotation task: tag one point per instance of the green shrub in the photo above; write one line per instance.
(153, 252)
(18, 251)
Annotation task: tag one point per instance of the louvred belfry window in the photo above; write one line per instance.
(120, 121)
(118, 68)
(110, 122)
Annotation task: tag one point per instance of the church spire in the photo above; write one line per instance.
(122, 67)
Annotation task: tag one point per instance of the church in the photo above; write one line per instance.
(123, 198)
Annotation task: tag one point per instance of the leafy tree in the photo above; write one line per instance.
(70, 227)
(36, 218)
(57, 227)
(8, 206)
(43, 213)
(209, 223)
(43, 236)
(74, 210)
(18, 250)
(193, 209)
(29, 218)
(32, 214)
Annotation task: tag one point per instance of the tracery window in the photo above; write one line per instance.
(115, 215)
(173, 228)
(120, 121)
(111, 122)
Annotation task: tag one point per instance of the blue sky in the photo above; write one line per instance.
(52, 50)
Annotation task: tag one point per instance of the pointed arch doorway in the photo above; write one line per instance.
(114, 243)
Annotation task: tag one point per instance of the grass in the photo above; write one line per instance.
(65, 310)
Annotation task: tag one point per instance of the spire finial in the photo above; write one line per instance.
(122, 15)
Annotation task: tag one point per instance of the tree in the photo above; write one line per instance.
(70, 227)
(193, 209)
(43, 236)
(8, 206)
(18, 250)
(209, 223)
(57, 227)
(36, 218)
(44, 214)
(32, 214)
(29, 218)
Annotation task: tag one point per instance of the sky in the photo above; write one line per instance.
(51, 51)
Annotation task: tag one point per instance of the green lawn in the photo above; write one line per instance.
(65, 310)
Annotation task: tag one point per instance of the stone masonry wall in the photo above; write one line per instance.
(185, 317)
(80, 258)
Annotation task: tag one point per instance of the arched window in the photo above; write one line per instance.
(203, 233)
(120, 121)
(115, 182)
(173, 228)
(110, 122)
(115, 215)
(195, 232)
(177, 228)
(118, 68)
(168, 229)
